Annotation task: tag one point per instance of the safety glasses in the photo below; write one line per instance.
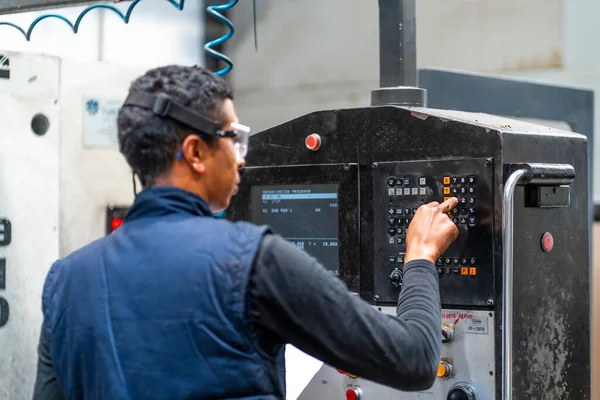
(162, 105)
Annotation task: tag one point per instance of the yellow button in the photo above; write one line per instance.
(472, 271)
(446, 198)
(446, 180)
(464, 271)
(442, 371)
(446, 190)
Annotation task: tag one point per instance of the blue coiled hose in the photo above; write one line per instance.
(215, 12)
(178, 4)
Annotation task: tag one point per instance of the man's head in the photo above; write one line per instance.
(162, 151)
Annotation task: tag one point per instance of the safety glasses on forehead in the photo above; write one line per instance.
(162, 105)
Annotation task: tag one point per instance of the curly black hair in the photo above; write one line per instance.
(149, 142)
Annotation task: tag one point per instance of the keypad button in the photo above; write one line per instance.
(463, 200)
(392, 221)
(448, 270)
(406, 230)
(391, 231)
(414, 210)
(406, 181)
(391, 211)
(472, 211)
(414, 191)
(422, 191)
(455, 211)
(463, 211)
(463, 180)
(399, 211)
(455, 220)
(471, 190)
(472, 221)
(399, 182)
(472, 260)
(439, 261)
(440, 271)
(391, 191)
(407, 191)
(446, 180)
(407, 211)
(391, 240)
(463, 190)
(455, 190)
(399, 191)
(447, 260)
(401, 259)
(471, 179)
(471, 200)
(455, 261)
(392, 259)
(399, 230)
(400, 240)
(391, 182)
(454, 180)
(422, 181)
(463, 220)
(463, 261)
(456, 270)
(407, 221)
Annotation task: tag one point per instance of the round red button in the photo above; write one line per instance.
(547, 242)
(352, 394)
(313, 142)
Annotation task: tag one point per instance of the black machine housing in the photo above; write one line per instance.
(387, 160)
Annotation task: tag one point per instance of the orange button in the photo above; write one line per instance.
(446, 180)
(442, 371)
(446, 198)
(472, 271)
(464, 271)
(446, 190)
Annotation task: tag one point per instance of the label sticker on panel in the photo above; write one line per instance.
(477, 325)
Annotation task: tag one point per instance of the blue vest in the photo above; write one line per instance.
(158, 310)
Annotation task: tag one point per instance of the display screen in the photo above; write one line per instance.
(305, 215)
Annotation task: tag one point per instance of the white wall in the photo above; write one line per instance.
(157, 33)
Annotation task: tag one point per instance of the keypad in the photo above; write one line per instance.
(463, 188)
(459, 266)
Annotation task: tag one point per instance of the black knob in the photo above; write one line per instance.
(396, 277)
(461, 391)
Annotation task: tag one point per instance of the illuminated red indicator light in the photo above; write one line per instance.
(313, 142)
(116, 222)
(547, 242)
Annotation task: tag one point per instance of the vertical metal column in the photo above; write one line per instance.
(398, 55)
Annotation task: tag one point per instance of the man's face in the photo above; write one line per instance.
(222, 176)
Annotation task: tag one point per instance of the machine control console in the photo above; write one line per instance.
(400, 188)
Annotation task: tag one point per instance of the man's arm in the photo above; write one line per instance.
(296, 301)
(46, 383)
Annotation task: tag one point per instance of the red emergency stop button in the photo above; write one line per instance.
(353, 394)
(116, 222)
(313, 142)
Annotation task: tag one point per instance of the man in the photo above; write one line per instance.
(177, 304)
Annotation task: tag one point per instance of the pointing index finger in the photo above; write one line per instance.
(448, 205)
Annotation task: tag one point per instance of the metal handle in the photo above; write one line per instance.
(548, 174)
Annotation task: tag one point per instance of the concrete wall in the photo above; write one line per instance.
(157, 34)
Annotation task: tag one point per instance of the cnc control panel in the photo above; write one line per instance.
(466, 268)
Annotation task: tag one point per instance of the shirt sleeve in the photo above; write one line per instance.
(46, 384)
(294, 300)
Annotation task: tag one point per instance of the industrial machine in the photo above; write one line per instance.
(344, 184)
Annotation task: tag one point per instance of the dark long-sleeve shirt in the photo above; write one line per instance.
(292, 299)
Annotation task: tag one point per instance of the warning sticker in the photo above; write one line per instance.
(4, 67)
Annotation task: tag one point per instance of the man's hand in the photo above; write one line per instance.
(431, 231)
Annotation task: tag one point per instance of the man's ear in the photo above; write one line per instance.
(195, 150)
